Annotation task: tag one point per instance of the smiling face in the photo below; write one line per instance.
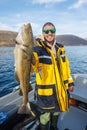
(49, 33)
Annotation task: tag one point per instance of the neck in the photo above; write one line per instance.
(50, 44)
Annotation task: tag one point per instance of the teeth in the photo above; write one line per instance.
(49, 37)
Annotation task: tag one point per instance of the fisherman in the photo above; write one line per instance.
(53, 78)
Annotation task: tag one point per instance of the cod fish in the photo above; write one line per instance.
(23, 58)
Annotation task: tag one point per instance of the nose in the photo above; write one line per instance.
(49, 32)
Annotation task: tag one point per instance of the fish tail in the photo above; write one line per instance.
(25, 109)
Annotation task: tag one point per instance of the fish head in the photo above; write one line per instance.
(25, 35)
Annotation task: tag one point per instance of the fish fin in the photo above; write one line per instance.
(16, 76)
(20, 92)
(29, 89)
(28, 105)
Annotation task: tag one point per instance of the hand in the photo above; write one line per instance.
(71, 88)
(33, 60)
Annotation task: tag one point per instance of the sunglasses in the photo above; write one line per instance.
(49, 30)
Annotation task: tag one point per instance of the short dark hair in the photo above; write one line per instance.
(47, 23)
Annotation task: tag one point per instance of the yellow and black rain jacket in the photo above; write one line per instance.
(52, 77)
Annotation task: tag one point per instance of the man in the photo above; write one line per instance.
(53, 78)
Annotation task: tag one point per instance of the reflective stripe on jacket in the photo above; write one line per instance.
(52, 76)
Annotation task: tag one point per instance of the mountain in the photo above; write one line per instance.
(71, 40)
(7, 38)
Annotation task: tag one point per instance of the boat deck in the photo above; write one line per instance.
(75, 119)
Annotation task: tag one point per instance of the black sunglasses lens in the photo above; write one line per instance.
(46, 31)
(51, 30)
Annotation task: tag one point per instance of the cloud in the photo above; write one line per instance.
(18, 16)
(84, 22)
(73, 27)
(5, 27)
(9, 27)
(78, 4)
(36, 28)
(47, 1)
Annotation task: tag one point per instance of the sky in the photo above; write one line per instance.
(69, 16)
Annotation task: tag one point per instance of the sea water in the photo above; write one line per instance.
(77, 56)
